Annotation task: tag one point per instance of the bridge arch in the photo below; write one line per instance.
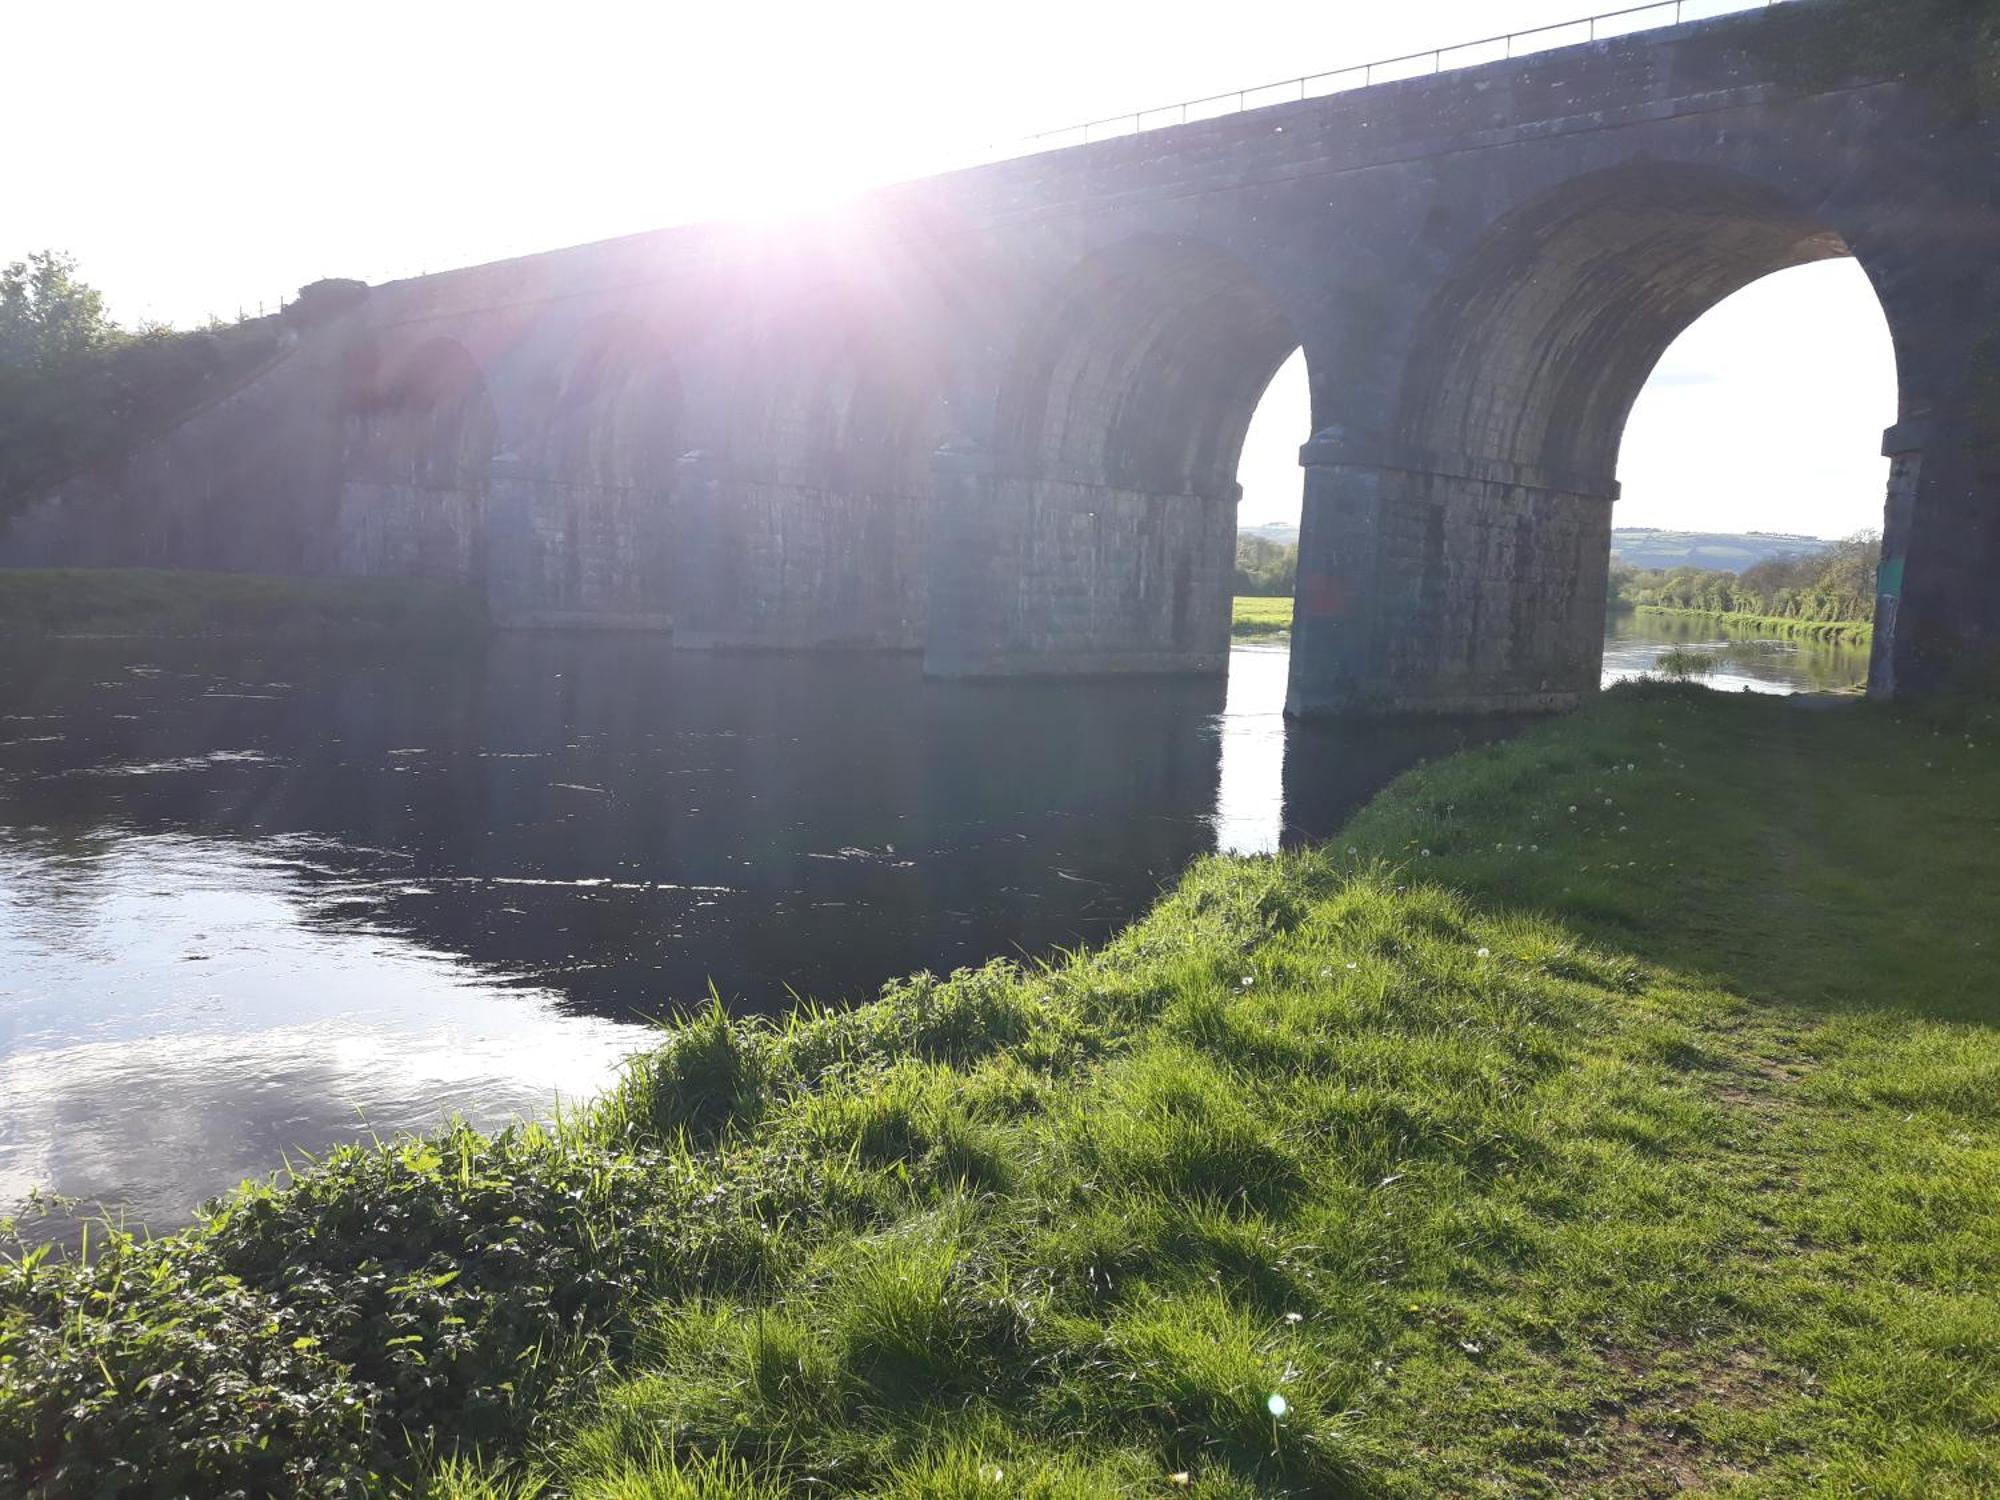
(419, 436)
(1537, 346)
(1140, 368)
(1106, 500)
(617, 417)
(808, 507)
(1475, 577)
(585, 519)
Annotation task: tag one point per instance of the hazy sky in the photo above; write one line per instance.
(214, 155)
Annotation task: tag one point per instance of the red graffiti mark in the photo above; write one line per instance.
(1322, 595)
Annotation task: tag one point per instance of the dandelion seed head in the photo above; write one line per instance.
(1277, 1405)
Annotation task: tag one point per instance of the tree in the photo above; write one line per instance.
(76, 389)
(48, 318)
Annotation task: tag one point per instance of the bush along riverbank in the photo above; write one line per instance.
(1612, 1111)
(1256, 617)
(1858, 633)
(164, 603)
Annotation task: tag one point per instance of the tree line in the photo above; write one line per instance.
(1835, 584)
(76, 388)
(1266, 568)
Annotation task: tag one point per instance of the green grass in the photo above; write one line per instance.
(159, 602)
(1830, 632)
(1611, 1112)
(1258, 617)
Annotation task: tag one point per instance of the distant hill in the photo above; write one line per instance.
(1647, 547)
(1283, 532)
(1712, 551)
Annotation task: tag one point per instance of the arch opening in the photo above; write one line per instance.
(1113, 489)
(1749, 525)
(1502, 456)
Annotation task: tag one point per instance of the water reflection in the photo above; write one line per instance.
(1745, 660)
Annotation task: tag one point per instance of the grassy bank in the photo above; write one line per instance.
(1615, 1111)
(156, 602)
(1259, 617)
(1827, 632)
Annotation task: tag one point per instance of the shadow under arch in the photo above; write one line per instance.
(1498, 477)
(418, 441)
(1105, 511)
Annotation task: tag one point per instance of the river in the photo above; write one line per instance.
(256, 900)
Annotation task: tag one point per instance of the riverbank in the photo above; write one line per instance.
(162, 603)
(1608, 1111)
(1858, 633)
(1257, 617)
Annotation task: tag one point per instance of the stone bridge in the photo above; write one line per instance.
(995, 415)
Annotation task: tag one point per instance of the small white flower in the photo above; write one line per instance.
(1293, 1317)
(1426, 853)
(1572, 807)
(1277, 1405)
(1248, 980)
(1485, 952)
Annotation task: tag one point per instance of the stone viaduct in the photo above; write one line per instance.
(995, 415)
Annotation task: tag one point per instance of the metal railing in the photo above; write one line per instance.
(1511, 44)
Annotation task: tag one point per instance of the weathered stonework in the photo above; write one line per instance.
(995, 415)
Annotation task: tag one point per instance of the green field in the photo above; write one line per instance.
(1611, 1112)
(1257, 617)
(163, 603)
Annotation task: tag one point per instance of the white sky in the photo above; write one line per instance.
(212, 155)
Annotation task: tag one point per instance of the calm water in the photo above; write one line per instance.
(1633, 644)
(253, 901)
